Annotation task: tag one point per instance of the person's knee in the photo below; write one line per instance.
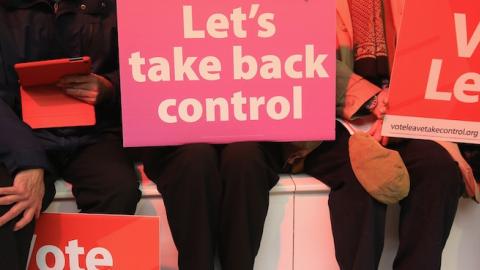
(129, 191)
(437, 169)
(194, 163)
(122, 194)
(193, 169)
(246, 166)
(243, 155)
(197, 155)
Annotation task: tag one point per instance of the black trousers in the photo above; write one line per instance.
(358, 220)
(104, 181)
(103, 176)
(216, 197)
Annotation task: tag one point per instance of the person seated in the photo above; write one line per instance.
(365, 45)
(92, 159)
(216, 198)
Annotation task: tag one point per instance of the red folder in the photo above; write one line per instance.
(44, 105)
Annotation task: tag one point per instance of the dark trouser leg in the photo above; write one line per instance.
(103, 178)
(189, 181)
(358, 220)
(15, 246)
(248, 174)
(429, 210)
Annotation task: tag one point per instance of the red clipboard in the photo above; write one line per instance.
(44, 105)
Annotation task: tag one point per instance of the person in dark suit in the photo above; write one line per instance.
(91, 158)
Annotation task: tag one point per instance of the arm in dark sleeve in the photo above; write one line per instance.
(111, 71)
(114, 78)
(19, 148)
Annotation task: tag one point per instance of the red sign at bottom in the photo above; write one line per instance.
(90, 242)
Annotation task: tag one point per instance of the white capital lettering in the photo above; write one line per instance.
(432, 85)
(465, 47)
(188, 31)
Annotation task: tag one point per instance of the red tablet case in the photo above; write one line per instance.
(44, 105)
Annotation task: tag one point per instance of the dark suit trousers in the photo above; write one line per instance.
(216, 197)
(358, 220)
(103, 177)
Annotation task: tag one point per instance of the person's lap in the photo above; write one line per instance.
(358, 220)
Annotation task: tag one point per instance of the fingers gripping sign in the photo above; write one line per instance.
(379, 109)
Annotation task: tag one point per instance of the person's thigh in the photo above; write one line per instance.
(250, 163)
(428, 211)
(358, 220)
(248, 170)
(9, 256)
(180, 165)
(103, 177)
(330, 161)
(430, 165)
(187, 176)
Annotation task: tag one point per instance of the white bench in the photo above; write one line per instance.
(297, 234)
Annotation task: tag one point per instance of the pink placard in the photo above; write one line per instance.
(226, 71)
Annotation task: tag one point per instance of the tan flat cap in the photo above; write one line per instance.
(379, 170)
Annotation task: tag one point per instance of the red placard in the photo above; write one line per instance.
(435, 86)
(85, 241)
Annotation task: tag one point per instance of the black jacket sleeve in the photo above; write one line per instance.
(19, 148)
(114, 78)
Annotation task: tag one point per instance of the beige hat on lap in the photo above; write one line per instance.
(379, 170)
